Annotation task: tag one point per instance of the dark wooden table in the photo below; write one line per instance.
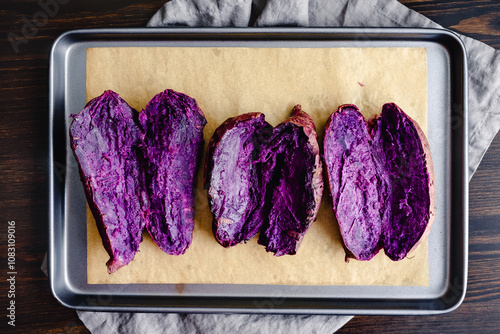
(23, 163)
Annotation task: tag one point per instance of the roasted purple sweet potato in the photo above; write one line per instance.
(106, 140)
(381, 180)
(292, 172)
(402, 153)
(232, 176)
(173, 125)
(355, 186)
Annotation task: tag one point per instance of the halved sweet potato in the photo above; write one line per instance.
(403, 154)
(292, 173)
(106, 140)
(381, 181)
(173, 125)
(354, 181)
(232, 176)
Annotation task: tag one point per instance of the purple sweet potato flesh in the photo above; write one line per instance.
(106, 139)
(400, 151)
(232, 175)
(353, 181)
(173, 126)
(381, 181)
(292, 172)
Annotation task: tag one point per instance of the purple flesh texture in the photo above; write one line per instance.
(232, 175)
(173, 125)
(381, 181)
(292, 172)
(356, 190)
(400, 153)
(106, 140)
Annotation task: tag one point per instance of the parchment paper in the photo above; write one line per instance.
(231, 81)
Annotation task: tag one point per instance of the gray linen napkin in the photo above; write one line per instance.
(484, 122)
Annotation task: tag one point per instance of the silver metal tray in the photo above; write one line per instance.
(448, 241)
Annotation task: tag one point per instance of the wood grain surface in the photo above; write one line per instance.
(24, 152)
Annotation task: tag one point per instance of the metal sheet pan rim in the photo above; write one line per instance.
(254, 33)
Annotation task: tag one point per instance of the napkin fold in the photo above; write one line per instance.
(484, 123)
(113, 322)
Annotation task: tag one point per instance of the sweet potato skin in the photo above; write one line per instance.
(106, 140)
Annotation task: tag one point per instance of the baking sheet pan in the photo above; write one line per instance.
(228, 81)
(446, 101)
